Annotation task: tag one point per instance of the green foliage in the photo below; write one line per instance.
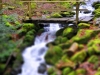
(97, 12)
(56, 15)
(68, 32)
(53, 55)
(33, 5)
(28, 26)
(81, 71)
(93, 59)
(96, 4)
(66, 4)
(83, 25)
(78, 57)
(67, 70)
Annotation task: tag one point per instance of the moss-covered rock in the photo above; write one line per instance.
(93, 59)
(53, 55)
(83, 25)
(72, 73)
(79, 56)
(60, 40)
(82, 36)
(56, 15)
(66, 71)
(81, 71)
(68, 32)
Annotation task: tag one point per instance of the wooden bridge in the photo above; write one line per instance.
(58, 9)
(29, 9)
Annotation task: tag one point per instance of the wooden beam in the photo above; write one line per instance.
(77, 12)
(29, 9)
(54, 1)
(59, 10)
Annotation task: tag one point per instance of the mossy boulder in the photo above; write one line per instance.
(56, 15)
(93, 59)
(82, 36)
(59, 32)
(66, 70)
(93, 47)
(28, 26)
(83, 25)
(79, 56)
(53, 55)
(60, 40)
(51, 70)
(72, 73)
(68, 32)
(97, 12)
(81, 71)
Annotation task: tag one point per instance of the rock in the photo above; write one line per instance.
(87, 12)
(16, 71)
(97, 21)
(42, 68)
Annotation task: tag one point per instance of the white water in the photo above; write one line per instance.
(34, 55)
(87, 6)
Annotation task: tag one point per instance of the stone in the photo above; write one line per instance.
(42, 68)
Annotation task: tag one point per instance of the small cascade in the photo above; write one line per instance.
(34, 56)
(88, 6)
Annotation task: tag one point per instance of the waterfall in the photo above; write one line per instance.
(33, 56)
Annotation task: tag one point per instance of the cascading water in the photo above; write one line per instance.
(33, 56)
(88, 6)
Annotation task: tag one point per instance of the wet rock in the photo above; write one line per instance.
(97, 21)
(87, 12)
(16, 71)
(42, 68)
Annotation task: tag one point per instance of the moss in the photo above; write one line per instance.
(53, 55)
(2, 67)
(83, 39)
(66, 71)
(56, 15)
(65, 45)
(50, 70)
(83, 25)
(8, 24)
(93, 59)
(97, 73)
(28, 38)
(91, 51)
(81, 71)
(68, 32)
(59, 32)
(72, 73)
(60, 40)
(97, 12)
(28, 26)
(78, 57)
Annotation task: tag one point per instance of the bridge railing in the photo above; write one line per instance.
(77, 7)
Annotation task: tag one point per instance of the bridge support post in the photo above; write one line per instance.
(77, 12)
(29, 10)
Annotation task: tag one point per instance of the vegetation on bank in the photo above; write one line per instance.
(72, 55)
(14, 37)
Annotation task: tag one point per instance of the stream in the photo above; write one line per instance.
(33, 56)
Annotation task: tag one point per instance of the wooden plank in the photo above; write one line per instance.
(59, 10)
(54, 1)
